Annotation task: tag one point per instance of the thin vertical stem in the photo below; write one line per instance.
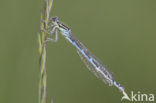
(42, 50)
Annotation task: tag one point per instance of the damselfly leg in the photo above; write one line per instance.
(51, 30)
(55, 32)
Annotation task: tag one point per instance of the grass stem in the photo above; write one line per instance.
(45, 11)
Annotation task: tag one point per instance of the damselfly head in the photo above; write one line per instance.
(53, 22)
(55, 19)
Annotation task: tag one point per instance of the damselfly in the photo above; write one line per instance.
(92, 63)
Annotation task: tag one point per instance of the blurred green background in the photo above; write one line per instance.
(121, 33)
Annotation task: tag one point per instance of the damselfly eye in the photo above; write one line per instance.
(55, 19)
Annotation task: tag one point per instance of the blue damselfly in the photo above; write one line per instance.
(92, 63)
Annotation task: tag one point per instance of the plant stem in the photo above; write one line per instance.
(42, 50)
